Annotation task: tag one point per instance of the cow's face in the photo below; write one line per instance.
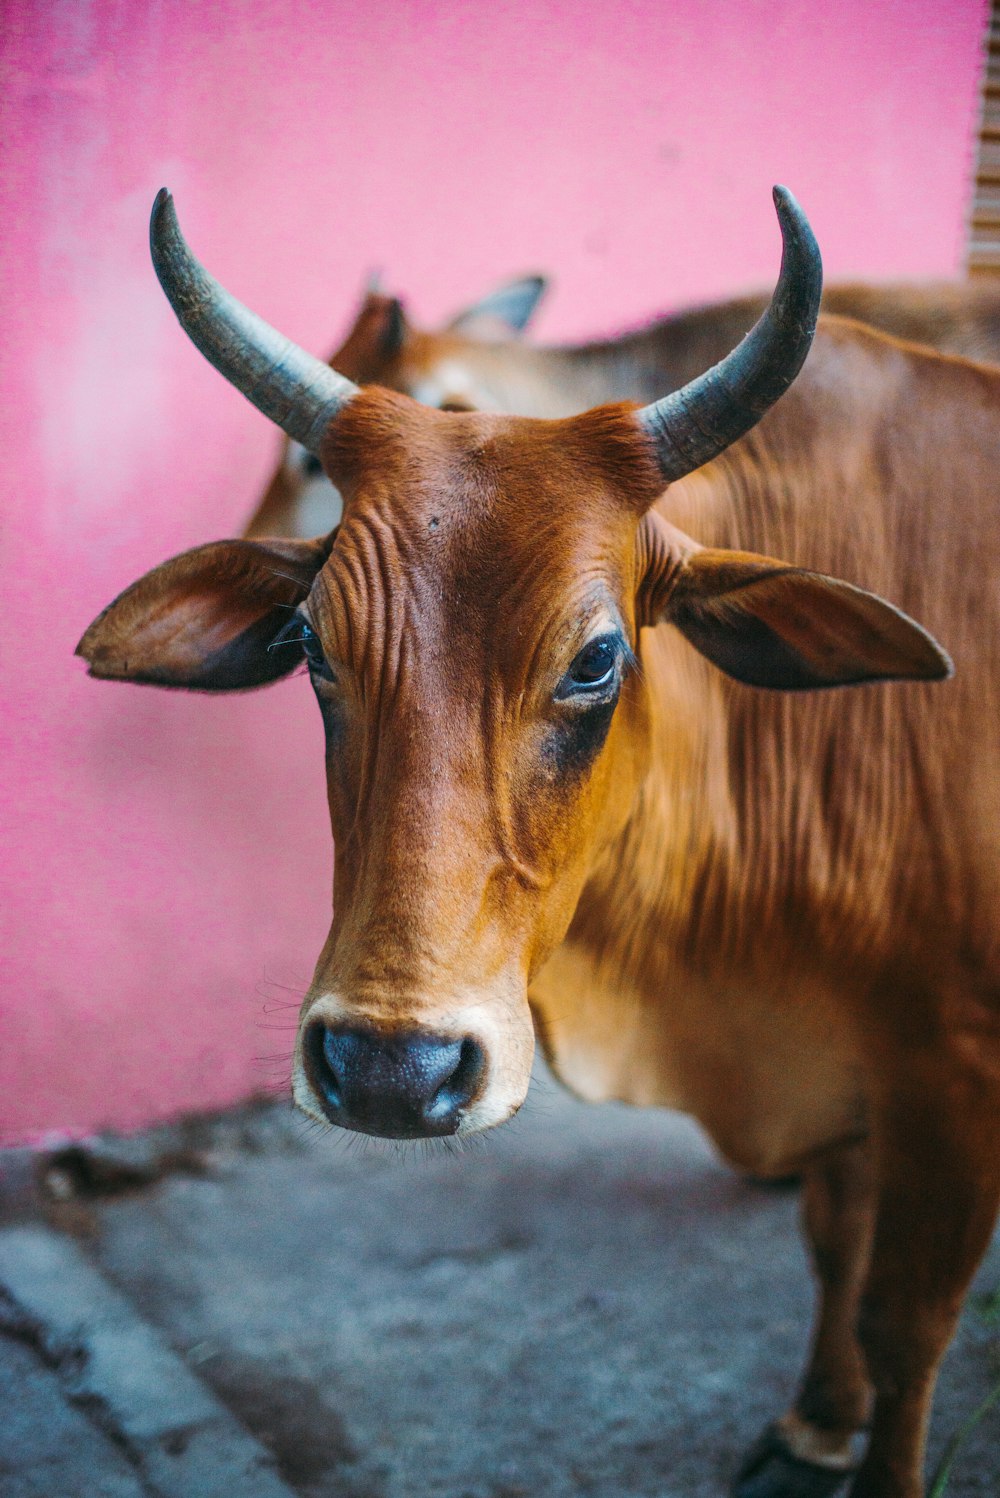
(471, 643)
(442, 367)
(471, 631)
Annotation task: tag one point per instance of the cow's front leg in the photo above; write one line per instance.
(810, 1451)
(939, 1184)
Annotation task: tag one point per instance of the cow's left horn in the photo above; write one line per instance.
(296, 390)
(698, 422)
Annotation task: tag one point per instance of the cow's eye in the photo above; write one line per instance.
(311, 466)
(312, 649)
(298, 632)
(594, 667)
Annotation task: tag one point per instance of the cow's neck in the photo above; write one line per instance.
(690, 976)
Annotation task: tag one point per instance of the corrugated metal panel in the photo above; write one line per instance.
(983, 257)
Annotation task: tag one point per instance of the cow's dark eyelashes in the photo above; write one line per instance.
(299, 632)
(290, 634)
(312, 649)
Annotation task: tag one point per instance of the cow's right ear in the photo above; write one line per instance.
(205, 620)
(770, 624)
(508, 309)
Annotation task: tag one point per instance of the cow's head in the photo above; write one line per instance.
(452, 368)
(472, 632)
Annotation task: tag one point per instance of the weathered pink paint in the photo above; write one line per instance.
(168, 855)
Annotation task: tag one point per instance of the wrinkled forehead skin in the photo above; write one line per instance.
(471, 536)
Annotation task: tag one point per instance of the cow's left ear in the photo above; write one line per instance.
(770, 624)
(205, 620)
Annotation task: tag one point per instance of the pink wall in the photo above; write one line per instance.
(169, 855)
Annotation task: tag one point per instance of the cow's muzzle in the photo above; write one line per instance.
(409, 1085)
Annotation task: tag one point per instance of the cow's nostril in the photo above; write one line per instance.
(458, 1089)
(333, 1063)
(402, 1085)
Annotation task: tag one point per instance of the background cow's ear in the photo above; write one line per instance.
(508, 309)
(773, 625)
(204, 620)
(378, 333)
(393, 328)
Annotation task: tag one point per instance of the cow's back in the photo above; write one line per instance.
(952, 317)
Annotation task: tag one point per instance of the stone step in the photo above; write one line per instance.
(164, 1432)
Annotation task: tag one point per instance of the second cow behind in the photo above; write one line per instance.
(478, 361)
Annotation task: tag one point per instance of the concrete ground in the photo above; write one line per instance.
(585, 1303)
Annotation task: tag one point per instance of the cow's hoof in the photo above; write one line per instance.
(770, 1470)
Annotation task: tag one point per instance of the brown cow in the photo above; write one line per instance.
(475, 363)
(555, 816)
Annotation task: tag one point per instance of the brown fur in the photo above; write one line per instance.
(776, 911)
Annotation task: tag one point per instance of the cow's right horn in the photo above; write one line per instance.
(297, 391)
(698, 422)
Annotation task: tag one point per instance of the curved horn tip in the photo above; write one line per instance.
(162, 203)
(790, 215)
(695, 424)
(787, 205)
(298, 392)
(792, 218)
(163, 227)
